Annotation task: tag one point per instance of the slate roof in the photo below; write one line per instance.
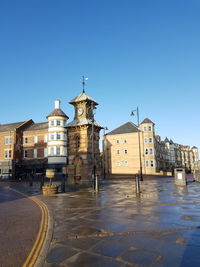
(83, 121)
(37, 126)
(166, 140)
(57, 112)
(127, 127)
(82, 97)
(11, 126)
(147, 121)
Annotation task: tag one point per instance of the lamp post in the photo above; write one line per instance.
(104, 149)
(94, 176)
(139, 146)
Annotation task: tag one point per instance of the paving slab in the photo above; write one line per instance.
(117, 227)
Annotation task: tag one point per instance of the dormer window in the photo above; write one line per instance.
(58, 123)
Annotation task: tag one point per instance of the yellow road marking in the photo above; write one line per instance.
(34, 253)
(41, 239)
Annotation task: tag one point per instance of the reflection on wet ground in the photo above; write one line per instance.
(116, 227)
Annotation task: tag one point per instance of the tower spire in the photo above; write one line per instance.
(83, 83)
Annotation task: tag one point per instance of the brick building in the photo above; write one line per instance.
(33, 147)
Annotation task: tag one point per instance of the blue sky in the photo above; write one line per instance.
(135, 53)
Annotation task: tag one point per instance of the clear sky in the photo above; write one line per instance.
(143, 53)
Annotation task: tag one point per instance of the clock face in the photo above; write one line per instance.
(80, 111)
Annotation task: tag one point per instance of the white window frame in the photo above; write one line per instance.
(35, 153)
(125, 141)
(151, 138)
(146, 140)
(150, 128)
(145, 128)
(25, 140)
(51, 151)
(58, 151)
(45, 152)
(8, 140)
(7, 153)
(146, 164)
(117, 152)
(152, 163)
(52, 136)
(125, 163)
(146, 151)
(58, 123)
(35, 139)
(51, 123)
(45, 138)
(58, 136)
(25, 152)
(151, 151)
(126, 151)
(117, 141)
(118, 164)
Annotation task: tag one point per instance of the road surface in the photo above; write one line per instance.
(19, 225)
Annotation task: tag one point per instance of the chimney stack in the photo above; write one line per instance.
(57, 104)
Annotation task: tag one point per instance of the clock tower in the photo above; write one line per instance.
(83, 142)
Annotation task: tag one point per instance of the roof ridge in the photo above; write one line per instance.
(12, 123)
(128, 127)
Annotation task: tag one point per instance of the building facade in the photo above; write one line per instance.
(72, 148)
(123, 155)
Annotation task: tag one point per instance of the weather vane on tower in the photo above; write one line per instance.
(83, 79)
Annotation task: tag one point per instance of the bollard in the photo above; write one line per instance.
(137, 184)
(96, 183)
(180, 176)
(63, 184)
(41, 181)
(30, 180)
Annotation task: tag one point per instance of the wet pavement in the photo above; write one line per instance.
(117, 227)
(19, 225)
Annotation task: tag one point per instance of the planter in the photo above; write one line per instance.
(49, 190)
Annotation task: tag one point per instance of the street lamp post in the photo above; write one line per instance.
(104, 158)
(139, 146)
(94, 176)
